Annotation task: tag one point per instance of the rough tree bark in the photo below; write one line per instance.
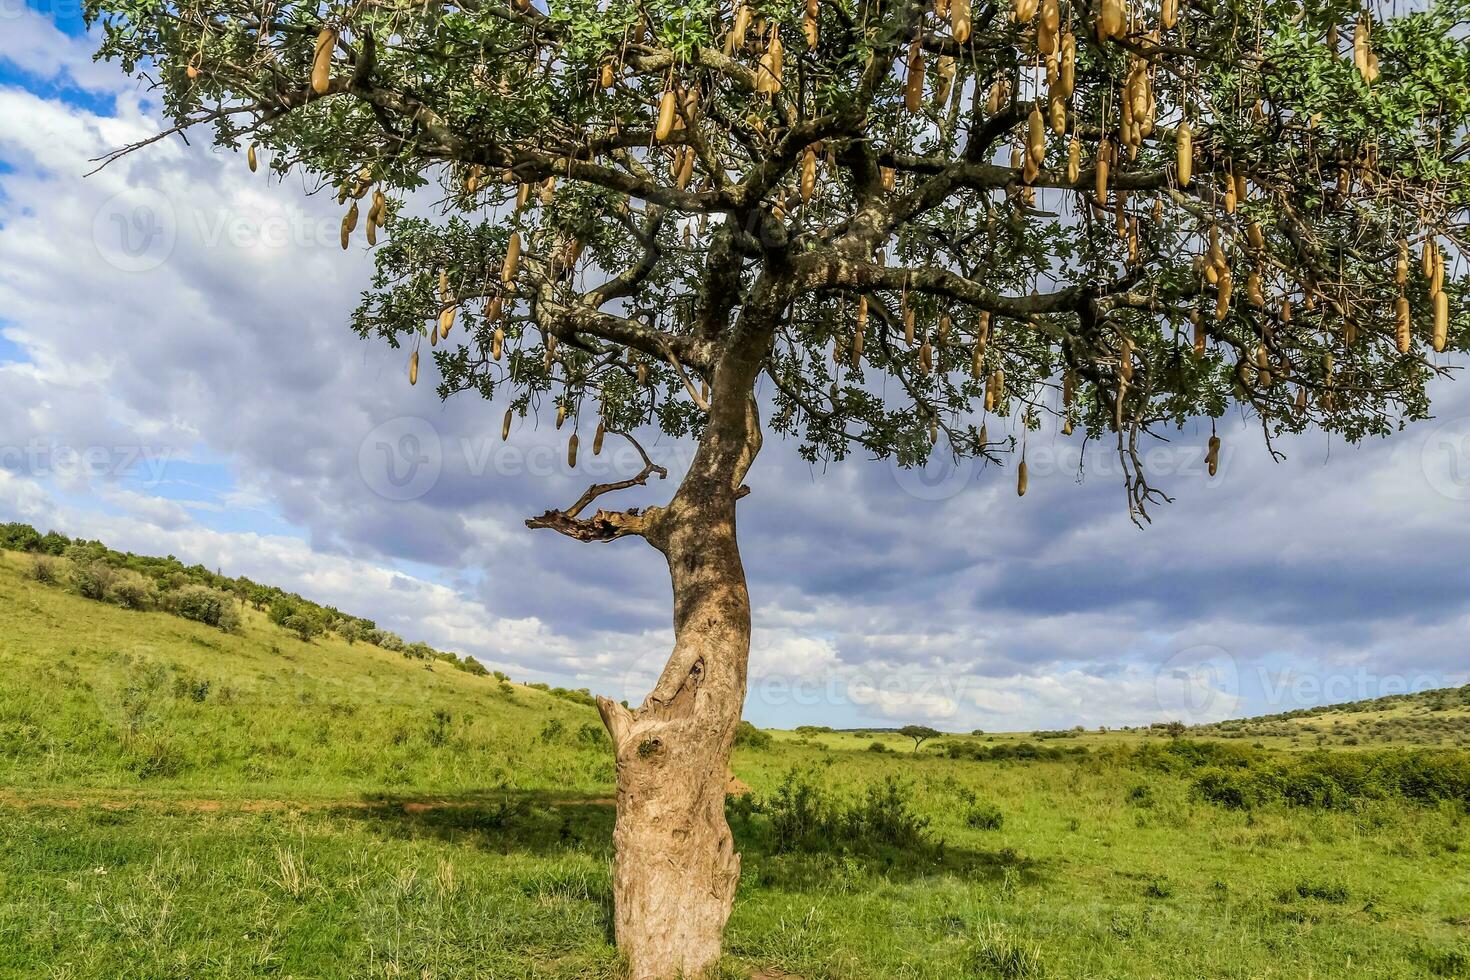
(675, 867)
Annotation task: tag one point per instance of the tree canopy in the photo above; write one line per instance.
(923, 222)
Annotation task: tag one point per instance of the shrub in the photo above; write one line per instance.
(132, 591)
(438, 730)
(553, 730)
(472, 666)
(91, 579)
(985, 816)
(46, 569)
(19, 537)
(590, 734)
(803, 814)
(799, 812)
(878, 747)
(205, 605)
(304, 624)
(885, 815)
(749, 736)
(1141, 795)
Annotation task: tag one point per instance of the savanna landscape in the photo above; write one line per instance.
(672, 489)
(180, 800)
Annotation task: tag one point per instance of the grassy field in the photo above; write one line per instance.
(180, 802)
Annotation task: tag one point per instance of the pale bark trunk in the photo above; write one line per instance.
(675, 867)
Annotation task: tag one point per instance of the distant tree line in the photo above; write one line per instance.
(145, 582)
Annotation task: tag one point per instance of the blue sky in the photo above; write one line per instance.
(201, 395)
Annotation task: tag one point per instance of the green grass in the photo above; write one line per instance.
(312, 816)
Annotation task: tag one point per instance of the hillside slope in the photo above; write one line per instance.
(95, 695)
(1436, 717)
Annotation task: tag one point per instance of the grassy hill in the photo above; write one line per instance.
(1437, 717)
(180, 801)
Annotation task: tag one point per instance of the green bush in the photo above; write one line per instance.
(804, 815)
(205, 605)
(132, 591)
(91, 579)
(751, 737)
(878, 747)
(46, 569)
(985, 816)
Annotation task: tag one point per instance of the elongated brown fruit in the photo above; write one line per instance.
(597, 439)
(1402, 323)
(321, 62)
(1253, 290)
(913, 89)
(1113, 20)
(1184, 151)
(608, 76)
(667, 105)
(512, 259)
(1169, 13)
(250, 158)
(1021, 479)
(572, 452)
(1036, 137)
(349, 222)
(1222, 300)
(413, 368)
(959, 20)
(944, 80)
(505, 426)
(497, 344)
(736, 40)
(808, 174)
(1074, 160)
(1104, 150)
(1212, 455)
(1200, 337)
(1441, 320)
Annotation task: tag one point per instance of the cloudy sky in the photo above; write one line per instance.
(177, 376)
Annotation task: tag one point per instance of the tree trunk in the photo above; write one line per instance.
(675, 867)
